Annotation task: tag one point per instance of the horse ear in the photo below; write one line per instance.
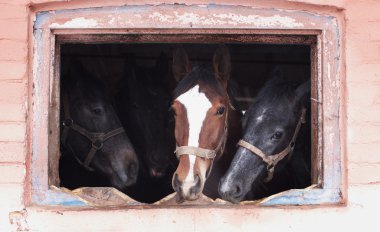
(303, 92)
(181, 64)
(222, 64)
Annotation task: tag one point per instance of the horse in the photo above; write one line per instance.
(143, 106)
(95, 150)
(206, 125)
(268, 159)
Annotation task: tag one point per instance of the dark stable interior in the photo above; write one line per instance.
(252, 65)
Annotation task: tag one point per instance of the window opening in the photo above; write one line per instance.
(107, 86)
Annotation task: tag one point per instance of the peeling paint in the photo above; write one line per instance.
(19, 219)
(260, 21)
(228, 18)
(161, 17)
(112, 21)
(76, 23)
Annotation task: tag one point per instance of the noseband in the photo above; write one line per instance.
(272, 160)
(97, 139)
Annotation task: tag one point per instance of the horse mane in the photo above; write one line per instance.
(199, 74)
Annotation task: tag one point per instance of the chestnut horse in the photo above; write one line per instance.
(207, 127)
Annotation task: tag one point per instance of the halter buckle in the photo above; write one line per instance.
(270, 167)
(97, 144)
(68, 122)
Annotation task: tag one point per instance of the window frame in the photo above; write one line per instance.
(175, 23)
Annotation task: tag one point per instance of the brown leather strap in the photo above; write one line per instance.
(272, 160)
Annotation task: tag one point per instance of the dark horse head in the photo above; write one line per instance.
(270, 128)
(91, 130)
(202, 111)
(143, 105)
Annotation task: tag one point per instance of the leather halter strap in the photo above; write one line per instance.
(272, 160)
(97, 139)
(197, 151)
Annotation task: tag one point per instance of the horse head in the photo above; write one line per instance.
(91, 130)
(270, 129)
(201, 106)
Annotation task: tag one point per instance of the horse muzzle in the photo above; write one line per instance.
(187, 190)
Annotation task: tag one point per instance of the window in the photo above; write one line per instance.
(237, 26)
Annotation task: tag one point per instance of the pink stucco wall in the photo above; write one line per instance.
(361, 43)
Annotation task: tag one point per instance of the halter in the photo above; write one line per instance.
(203, 152)
(97, 139)
(272, 160)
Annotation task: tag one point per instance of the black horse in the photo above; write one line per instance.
(95, 150)
(143, 106)
(270, 134)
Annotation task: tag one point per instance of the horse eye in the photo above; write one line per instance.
(220, 110)
(277, 135)
(97, 111)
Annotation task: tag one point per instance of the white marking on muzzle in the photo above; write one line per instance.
(197, 105)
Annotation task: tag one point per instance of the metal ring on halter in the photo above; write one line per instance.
(68, 122)
(97, 144)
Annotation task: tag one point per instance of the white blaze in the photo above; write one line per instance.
(197, 105)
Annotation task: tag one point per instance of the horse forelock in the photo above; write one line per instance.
(203, 76)
(276, 90)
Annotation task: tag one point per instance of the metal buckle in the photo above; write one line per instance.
(97, 144)
(68, 122)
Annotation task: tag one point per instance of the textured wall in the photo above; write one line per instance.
(362, 106)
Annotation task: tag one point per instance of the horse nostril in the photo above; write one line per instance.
(196, 188)
(232, 192)
(197, 180)
(235, 192)
(176, 182)
(132, 169)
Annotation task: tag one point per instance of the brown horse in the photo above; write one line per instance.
(207, 126)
